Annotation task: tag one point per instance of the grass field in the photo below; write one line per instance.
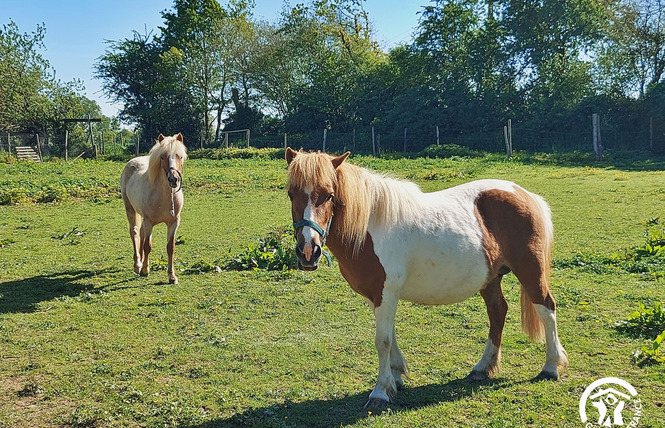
(84, 342)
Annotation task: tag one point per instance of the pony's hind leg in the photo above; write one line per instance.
(556, 355)
(170, 249)
(146, 247)
(497, 307)
(539, 319)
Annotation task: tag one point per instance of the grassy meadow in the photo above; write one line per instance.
(84, 342)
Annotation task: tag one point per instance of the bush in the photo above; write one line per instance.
(276, 251)
(235, 153)
(448, 151)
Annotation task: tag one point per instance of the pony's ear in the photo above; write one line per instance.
(289, 155)
(160, 138)
(179, 137)
(339, 159)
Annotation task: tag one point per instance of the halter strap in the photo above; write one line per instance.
(322, 232)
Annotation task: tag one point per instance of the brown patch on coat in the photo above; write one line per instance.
(364, 271)
(515, 235)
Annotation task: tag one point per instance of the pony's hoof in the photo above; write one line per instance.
(143, 273)
(376, 404)
(478, 376)
(173, 280)
(399, 384)
(137, 269)
(546, 376)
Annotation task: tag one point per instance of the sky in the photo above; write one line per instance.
(77, 31)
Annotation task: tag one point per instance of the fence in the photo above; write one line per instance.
(371, 140)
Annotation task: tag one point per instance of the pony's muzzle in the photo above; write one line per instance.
(308, 255)
(173, 177)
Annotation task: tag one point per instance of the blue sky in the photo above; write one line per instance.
(76, 30)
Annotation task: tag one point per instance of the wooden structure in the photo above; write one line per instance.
(27, 153)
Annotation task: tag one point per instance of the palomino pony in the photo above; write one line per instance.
(393, 242)
(152, 191)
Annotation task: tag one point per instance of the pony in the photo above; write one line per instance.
(392, 242)
(151, 189)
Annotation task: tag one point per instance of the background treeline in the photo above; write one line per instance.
(547, 65)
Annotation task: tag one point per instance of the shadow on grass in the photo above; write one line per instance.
(349, 409)
(23, 295)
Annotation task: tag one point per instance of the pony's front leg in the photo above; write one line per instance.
(170, 249)
(383, 340)
(146, 246)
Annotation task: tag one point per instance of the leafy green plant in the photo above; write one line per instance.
(654, 353)
(276, 251)
(647, 322)
(647, 259)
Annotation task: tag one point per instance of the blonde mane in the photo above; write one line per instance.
(366, 196)
(168, 146)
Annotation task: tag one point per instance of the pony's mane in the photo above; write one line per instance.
(168, 146)
(366, 195)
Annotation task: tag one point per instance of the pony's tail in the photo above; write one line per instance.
(531, 323)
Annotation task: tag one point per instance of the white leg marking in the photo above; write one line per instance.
(385, 325)
(556, 355)
(489, 360)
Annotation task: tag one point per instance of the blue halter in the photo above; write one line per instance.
(322, 232)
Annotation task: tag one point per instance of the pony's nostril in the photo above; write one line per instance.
(317, 252)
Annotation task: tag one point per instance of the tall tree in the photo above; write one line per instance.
(632, 57)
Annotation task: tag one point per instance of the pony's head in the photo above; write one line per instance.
(312, 187)
(167, 156)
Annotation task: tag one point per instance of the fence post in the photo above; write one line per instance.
(9, 142)
(597, 143)
(373, 143)
(405, 142)
(248, 132)
(66, 142)
(510, 135)
(651, 133)
(437, 136)
(285, 141)
(325, 136)
(137, 144)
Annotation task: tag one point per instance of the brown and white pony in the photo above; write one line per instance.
(152, 191)
(392, 241)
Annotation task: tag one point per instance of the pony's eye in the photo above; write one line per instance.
(330, 196)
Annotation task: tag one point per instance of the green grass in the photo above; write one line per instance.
(85, 342)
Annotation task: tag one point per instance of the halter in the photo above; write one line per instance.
(322, 232)
(174, 191)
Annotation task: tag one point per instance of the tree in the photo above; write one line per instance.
(632, 57)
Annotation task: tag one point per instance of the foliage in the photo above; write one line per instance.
(275, 251)
(654, 352)
(648, 322)
(448, 150)
(236, 153)
(647, 259)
